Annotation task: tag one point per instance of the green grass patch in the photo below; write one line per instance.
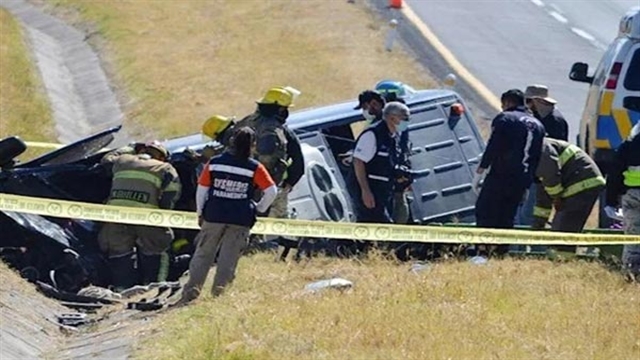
(525, 309)
(24, 107)
(179, 62)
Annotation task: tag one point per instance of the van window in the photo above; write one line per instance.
(632, 78)
(602, 70)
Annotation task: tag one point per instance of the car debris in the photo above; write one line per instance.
(335, 283)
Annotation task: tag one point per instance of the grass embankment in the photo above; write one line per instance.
(179, 62)
(508, 309)
(24, 107)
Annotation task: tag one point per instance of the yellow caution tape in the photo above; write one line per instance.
(308, 228)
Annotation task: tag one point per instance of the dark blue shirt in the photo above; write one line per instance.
(514, 148)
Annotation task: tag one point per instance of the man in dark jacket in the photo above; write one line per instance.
(510, 160)
(623, 188)
(543, 108)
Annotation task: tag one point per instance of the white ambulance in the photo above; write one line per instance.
(613, 104)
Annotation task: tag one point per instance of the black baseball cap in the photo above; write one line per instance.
(367, 96)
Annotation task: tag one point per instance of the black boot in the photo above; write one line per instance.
(149, 268)
(123, 274)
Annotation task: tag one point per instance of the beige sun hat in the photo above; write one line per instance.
(539, 92)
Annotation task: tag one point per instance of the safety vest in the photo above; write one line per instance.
(564, 171)
(139, 181)
(632, 176)
(271, 143)
(380, 170)
(232, 190)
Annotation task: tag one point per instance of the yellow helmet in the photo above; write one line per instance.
(215, 125)
(279, 95)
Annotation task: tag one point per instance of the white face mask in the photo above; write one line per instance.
(367, 116)
(400, 128)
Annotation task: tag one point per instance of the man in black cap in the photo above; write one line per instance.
(371, 102)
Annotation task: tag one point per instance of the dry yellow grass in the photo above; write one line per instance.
(179, 62)
(503, 310)
(24, 108)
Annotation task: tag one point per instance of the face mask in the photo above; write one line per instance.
(283, 115)
(367, 116)
(400, 128)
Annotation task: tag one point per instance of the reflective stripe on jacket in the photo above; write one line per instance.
(624, 172)
(380, 169)
(564, 171)
(231, 192)
(140, 181)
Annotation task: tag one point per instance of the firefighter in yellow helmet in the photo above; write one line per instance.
(219, 128)
(144, 179)
(277, 146)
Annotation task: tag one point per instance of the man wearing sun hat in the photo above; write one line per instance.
(544, 109)
(542, 106)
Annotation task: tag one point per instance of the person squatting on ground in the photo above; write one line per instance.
(145, 179)
(542, 106)
(226, 212)
(372, 102)
(570, 181)
(623, 188)
(278, 147)
(376, 163)
(509, 161)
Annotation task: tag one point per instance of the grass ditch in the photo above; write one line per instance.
(24, 107)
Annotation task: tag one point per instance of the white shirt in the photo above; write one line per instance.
(366, 147)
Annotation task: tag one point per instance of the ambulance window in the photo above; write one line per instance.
(632, 78)
(603, 68)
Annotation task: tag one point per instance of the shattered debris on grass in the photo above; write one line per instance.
(335, 283)
(419, 267)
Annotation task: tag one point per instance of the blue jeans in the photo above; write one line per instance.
(524, 215)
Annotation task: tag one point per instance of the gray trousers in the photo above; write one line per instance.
(229, 240)
(400, 211)
(631, 210)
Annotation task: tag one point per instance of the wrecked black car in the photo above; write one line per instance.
(64, 252)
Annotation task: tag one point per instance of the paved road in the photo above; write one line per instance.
(512, 43)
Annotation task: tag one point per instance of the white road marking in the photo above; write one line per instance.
(538, 3)
(583, 34)
(558, 17)
(556, 8)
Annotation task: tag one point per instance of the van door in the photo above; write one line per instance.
(626, 105)
(588, 125)
(445, 151)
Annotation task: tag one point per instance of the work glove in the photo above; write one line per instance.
(613, 213)
(558, 204)
(477, 178)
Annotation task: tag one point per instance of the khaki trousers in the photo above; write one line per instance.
(119, 239)
(229, 240)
